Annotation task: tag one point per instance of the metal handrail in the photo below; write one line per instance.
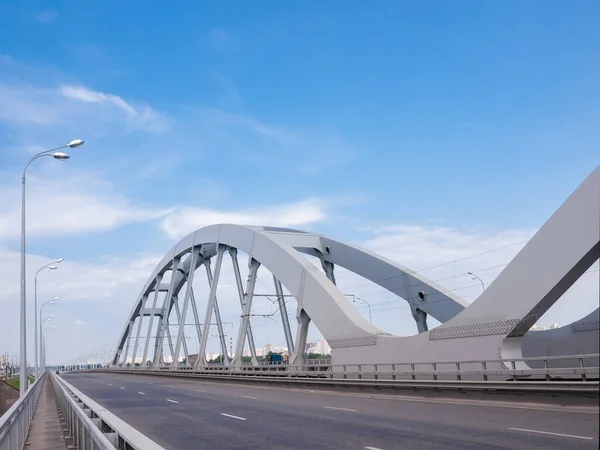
(15, 423)
(91, 426)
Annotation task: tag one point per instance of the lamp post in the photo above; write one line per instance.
(50, 302)
(50, 266)
(43, 343)
(45, 338)
(56, 155)
(475, 277)
(354, 298)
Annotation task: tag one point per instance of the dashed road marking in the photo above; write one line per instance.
(340, 409)
(247, 396)
(110, 384)
(122, 387)
(141, 393)
(233, 417)
(550, 433)
(172, 401)
(200, 390)
(373, 448)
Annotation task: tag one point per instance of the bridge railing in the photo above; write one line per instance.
(550, 368)
(15, 423)
(90, 426)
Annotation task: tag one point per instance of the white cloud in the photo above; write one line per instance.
(75, 202)
(28, 105)
(185, 220)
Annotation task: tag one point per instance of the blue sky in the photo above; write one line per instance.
(361, 117)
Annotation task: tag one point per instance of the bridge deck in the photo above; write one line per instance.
(45, 432)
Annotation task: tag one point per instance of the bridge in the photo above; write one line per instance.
(478, 379)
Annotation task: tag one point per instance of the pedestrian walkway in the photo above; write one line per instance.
(45, 432)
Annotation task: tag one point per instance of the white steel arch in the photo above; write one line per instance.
(491, 328)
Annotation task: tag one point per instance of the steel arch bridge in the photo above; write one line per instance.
(492, 327)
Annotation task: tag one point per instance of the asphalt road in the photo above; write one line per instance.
(194, 414)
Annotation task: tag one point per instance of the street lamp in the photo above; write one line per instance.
(49, 319)
(354, 298)
(56, 155)
(50, 302)
(46, 338)
(475, 277)
(49, 266)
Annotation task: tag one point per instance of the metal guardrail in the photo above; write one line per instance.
(14, 423)
(89, 426)
(573, 367)
(588, 388)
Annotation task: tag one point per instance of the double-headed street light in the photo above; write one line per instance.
(50, 266)
(56, 155)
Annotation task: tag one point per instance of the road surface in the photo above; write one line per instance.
(191, 414)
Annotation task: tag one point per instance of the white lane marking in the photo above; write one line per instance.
(168, 385)
(373, 448)
(149, 383)
(247, 396)
(233, 417)
(340, 409)
(553, 434)
(172, 401)
(141, 393)
(200, 390)
(110, 384)
(122, 387)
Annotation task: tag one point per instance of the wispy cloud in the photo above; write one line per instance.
(185, 220)
(49, 16)
(142, 117)
(71, 203)
(24, 104)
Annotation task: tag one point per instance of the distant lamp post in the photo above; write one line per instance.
(475, 277)
(23, 335)
(49, 266)
(354, 298)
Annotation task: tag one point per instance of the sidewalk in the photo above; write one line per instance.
(45, 432)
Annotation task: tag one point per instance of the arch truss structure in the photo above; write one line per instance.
(492, 327)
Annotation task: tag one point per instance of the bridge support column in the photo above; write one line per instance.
(182, 316)
(420, 317)
(289, 340)
(253, 265)
(213, 305)
(240, 288)
(298, 358)
(139, 328)
(164, 320)
(150, 323)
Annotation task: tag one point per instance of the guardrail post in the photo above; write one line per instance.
(434, 370)
(547, 367)
(393, 371)
(484, 367)
(375, 373)
(458, 377)
(359, 372)
(582, 365)
(513, 366)
(412, 369)
(344, 368)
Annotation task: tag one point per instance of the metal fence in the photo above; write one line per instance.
(14, 424)
(89, 426)
(582, 368)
